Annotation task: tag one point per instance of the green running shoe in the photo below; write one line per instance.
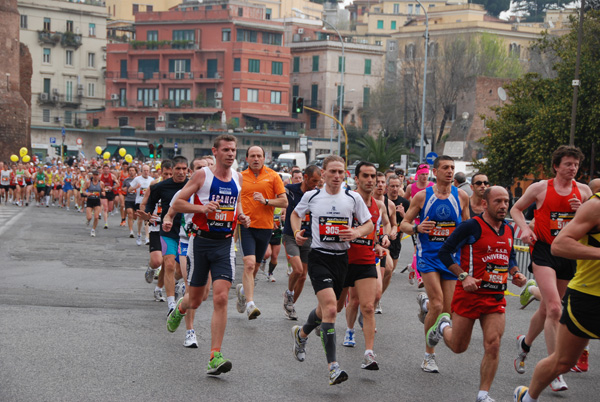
(218, 364)
(434, 334)
(526, 296)
(174, 318)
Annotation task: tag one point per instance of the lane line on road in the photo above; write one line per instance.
(11, 222)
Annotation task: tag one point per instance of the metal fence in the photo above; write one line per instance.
(522, 251)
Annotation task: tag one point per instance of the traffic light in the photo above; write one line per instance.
(159, 151)
(64, 150)
(151, 146)
(57, 150)
(297, 105)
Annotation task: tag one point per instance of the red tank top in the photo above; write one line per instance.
(361, 249)
(555, 212)
(108, 181)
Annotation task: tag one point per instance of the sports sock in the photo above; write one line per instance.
(443, 326)
(526, 348)
(213, 351)
(482, 394)
(271, 268)
(527, 398)
(157, 288)
(171, 300)
(368, 351)
(250, 304)
(311, 323)
(189, 331)
(328, 339)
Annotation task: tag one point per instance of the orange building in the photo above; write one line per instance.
(201, 67)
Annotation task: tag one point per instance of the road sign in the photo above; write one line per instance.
(64, 132)
(175, 146)
(79, 141)
(52, 140)
(431, 157)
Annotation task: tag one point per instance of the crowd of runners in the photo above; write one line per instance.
(347, 242)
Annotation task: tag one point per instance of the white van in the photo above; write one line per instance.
(290, 159)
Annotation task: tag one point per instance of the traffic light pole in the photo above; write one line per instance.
(340, 126)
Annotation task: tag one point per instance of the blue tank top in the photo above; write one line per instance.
(447, 215)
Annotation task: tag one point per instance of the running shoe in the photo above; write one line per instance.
(218, 364)
(558, 384)
(149, 275)
(337, 375)
(299, 344)
(288, 305)
(147, 241)
(411, 277)
(158, 295)
(174, 318)
(519, 393)
(522, 355)
(179, 289)
(263, 265)
(421, 300)
(349, 340)
(157, 272)
(271, 278)
(190, 340)
(252, 312)
(241, 299)
(122, 221)
(526, 296)
(434, 334)
(429, 365)
(485, 399)
(93, 233)
(420, 283)
(106, 226)
(138, 241)
(131, 235)
(582, 364)
(378, 308)
(369, 362)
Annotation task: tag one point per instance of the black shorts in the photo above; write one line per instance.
(209, 255)
(110, 196)
(541, 255)
(275, 238)
(581, 314)
(58, 187)
(357, 272)
(4, 187)
(327, 269)
(155, 242)
(255, 241)
(12, 186)
(41, 189)
(382, 261)
(132, 205)
(395, 247)
(92, 202)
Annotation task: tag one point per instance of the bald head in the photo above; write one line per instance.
(495, 202)
(595, 185)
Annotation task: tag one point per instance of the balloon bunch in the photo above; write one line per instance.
(24, 157)
(122, 152)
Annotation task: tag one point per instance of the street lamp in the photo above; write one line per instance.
(424, 82)
(297, 11)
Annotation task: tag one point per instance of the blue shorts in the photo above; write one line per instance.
(427, 265)
(169, 245)
(182, 250)
(255, 241)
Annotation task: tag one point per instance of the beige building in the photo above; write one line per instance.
(67, 42)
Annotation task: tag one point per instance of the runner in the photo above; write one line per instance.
(556, 202)
(440, 209)
(297, 255)
(93, 190)
(217, 206)
(274, 244)
(581, 304)
(67, 189)
(460, 181)
(109, 180)
(129, 200)
(479, 183)
(140, 185)
(487, 258)
(5, 175)
(262, 192)
(332, 210)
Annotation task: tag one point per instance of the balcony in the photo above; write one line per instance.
(346, 106)
(70, 39)
(66, 39)
(164, 44)
(49, 38)
(165, 75)
(57, 99)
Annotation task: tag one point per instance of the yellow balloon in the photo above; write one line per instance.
(122, 152)
(106, 155)
(157, 167)
(14, 158)
(23, 151)
(98, 150)
(128, 158)
(26, 158)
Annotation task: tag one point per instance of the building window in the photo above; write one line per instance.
(179, 67)
(268, 13)
(91, 89)
(226, 35)
(514, 50)
(123, 97)
(237, 64)
(245, 35)
(277, 68)
(179, 94)
(148, 67)
(296, 64)
(276, 97)
(123, 121)
(418, 9)
(152, 36)
(315, 66)
(366, 96)
(433, 49)
(270, 38)
(185, 37)
(69, 26)
(68, 117)
(410, 9)
(46, 115)
(46, 24)
(46, 56)
(254, 66)
(391, 45)
(69, 58)
(377, 43)
(341, 64)
(149, 8)
(91, 60)
(147, 96)
(379, 24)
(23, 21)
(313, 121)
(92, 29)
(367, 66)
(253, 95)
(69, 91)
(236, 94)
(47, 86)
(135, 9)
(314, 95)
(396, 9)
(410, 51)
(240, 12)
(295, 90)
(393, 25)
(365, 122)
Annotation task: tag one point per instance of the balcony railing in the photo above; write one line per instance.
(71, 101)
(165, 75)
(66, 39)
(164, 44)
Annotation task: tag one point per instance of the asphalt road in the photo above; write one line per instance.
(78, 323)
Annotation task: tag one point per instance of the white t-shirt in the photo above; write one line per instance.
(330, 213)
(140, 191)
(187, 219)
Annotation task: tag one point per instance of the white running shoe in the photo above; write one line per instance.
(252, 312)
(522, 356)
(190, 340)
(349, 340)
(149, 275)
(485, 399)
(429, 365)
(158, 295)
(271, 278)
(241, 299)
(93, 233)
(369, 362)
(421, 300)
(378, 308)
(559, 384)
(147, 241)
(299, 344)
(131, 235)
(138, 241)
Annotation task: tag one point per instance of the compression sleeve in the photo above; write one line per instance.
(468, 232)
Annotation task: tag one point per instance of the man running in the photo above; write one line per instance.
(440, 208)
(487, 258)
(556, 201)
(139, 186)
(580, 320)
(297, 255)
(109, 180)
(332, 211)
(217, 207)
(479, 183)
(263, 191)
(401, 205)
(93, 190)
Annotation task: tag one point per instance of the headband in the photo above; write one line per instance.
(423, 170)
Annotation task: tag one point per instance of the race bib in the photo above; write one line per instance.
(222, 218)
(495, 277)
(142, 192)
(559, 220)
(441, 231)
(330, 226)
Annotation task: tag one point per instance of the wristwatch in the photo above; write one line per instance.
(266, 201)
(462, 276)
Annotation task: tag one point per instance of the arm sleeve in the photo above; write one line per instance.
(152, 199)
(467, 232)
(512, 262)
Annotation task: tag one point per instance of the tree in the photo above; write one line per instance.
(536, 9)
(378, 150)
(494, 7)
(537, 118)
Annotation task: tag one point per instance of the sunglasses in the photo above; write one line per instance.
(479, 183)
